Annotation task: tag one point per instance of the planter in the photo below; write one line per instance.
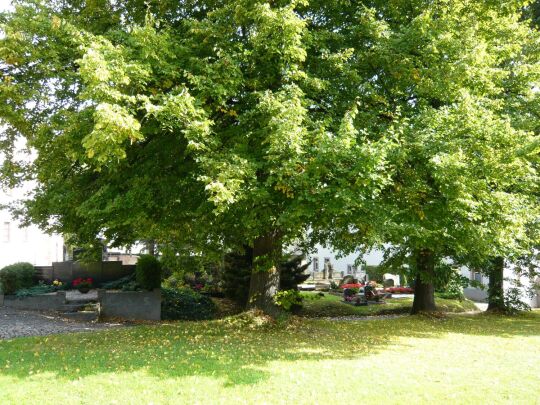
(83, 290)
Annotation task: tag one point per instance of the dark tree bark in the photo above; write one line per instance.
(495, 289)
(151, 247)
(424, 290)
(264, 282)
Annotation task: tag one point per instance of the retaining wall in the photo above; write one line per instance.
(46, 302)
(132, 305)
(101, 272)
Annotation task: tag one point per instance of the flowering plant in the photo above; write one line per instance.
(83, 282)
(57, 283)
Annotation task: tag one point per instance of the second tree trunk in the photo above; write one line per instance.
(424, 290)
(495, 290)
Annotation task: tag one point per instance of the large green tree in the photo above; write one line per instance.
(213, 124)
(219, 124)
(456, 85)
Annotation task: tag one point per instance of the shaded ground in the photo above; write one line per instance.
(17, 323)
(332, 306)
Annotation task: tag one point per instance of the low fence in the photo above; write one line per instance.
(101, 272)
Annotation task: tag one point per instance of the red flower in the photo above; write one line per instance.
(80, 282)
(352, 285)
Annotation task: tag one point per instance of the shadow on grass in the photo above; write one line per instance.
(333, 306)
(236, 355)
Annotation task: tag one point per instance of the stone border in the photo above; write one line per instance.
(45, 302)
(131, 305)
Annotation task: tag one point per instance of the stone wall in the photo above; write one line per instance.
(46, 302)
(101, 272)
(132, 305)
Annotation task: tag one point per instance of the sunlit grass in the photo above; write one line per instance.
(460, 359)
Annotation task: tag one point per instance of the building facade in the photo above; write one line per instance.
(25, 244)
(344, 266)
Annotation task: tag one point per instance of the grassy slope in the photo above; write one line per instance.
(462, 359)
(331, 305)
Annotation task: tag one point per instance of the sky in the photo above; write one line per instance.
(4, 4)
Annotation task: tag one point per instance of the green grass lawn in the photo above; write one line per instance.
(331, 305)
(466, 359)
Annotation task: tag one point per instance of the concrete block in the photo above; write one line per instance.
(46, 302)
(131, 305)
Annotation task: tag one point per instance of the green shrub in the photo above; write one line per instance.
(40, 289)
(186, 304)
(375, 273)
(476, 284)
(292, 272)
(289, 300)
(16, 276)
(452, 287)
(512, 301)
(237, 274)
(148, 272)
(174, 281)
(120, 283)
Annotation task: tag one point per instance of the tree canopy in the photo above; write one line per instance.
(459, 81)
(222, 123)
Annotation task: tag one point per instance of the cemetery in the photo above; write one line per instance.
(269, 202)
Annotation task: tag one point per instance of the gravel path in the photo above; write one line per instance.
(481, 306)
(16, 323)
(363, 318)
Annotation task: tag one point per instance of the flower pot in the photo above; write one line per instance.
(83, 290)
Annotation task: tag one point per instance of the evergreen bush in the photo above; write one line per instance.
(16, 276)
(148, 272)
(186, 304)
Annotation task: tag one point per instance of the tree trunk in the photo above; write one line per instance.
(151, 247)
(495, 289)
(424, 291)
(264, 282)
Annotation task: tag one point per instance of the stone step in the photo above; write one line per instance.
(81, 316)
(82, 301)
(72, 307)
(76, 307)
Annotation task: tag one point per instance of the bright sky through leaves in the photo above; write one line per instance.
(4, 4)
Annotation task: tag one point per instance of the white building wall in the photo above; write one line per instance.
(341, 264)
(477, 294)
(375, 257)
(18, 244)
